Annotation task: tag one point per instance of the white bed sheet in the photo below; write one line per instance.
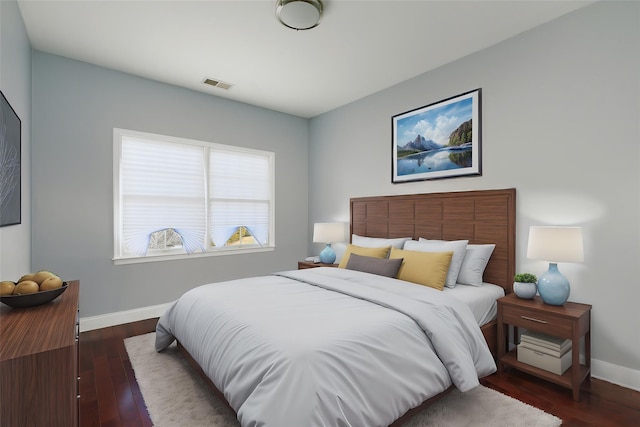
(480, 299)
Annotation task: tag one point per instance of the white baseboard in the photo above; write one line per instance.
(620, 375)
(120, 317)
(600, 369)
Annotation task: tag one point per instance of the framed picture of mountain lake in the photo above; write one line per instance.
(439, 140)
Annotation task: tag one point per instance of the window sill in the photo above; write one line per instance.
(156, 258)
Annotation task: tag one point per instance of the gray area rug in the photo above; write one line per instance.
(176, 396)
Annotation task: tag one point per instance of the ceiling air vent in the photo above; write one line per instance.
(218, 83)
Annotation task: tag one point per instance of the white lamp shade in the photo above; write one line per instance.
(555, 244)
(329, 232)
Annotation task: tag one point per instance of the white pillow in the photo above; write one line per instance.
(376, 242)
(475, 261)
(457, 246)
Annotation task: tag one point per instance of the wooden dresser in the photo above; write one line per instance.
(39, 363)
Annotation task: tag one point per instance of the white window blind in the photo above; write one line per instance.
(240, 195)
(203, 191)
(162, 187)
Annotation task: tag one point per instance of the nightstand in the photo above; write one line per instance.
(570, 321)
(310, 264)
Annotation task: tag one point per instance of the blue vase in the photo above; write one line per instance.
(327, 256)
(525, 290)
(553, 286)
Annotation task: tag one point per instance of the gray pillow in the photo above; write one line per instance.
(379, 266)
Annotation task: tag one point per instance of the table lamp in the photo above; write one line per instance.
(555, 244)
(328, 232)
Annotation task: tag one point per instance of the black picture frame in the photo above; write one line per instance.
(439, 140)
(10, 164)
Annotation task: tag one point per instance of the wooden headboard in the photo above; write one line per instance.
(484, 216)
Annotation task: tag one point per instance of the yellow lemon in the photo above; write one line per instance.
(53, 282)
(26, 277)
(41, 275)
(6, 287)
(26, 287)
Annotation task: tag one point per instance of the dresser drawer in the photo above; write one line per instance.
(537, 321)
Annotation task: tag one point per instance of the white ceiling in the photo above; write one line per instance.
(359, 48)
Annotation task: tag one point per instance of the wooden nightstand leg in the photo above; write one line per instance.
(587, 351)
(575, 365)
(501, 339)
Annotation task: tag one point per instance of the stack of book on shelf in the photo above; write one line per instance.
(545, 351)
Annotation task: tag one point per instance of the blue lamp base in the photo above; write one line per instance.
(327, 256)
(553, 286)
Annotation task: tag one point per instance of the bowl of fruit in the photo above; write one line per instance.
(32, 289)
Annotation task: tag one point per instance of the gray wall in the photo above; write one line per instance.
(15, 83)
(75, 108)
(560, 118)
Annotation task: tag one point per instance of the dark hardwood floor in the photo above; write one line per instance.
(110, 397)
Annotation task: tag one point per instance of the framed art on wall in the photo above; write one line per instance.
(439, 140)
(10, 151)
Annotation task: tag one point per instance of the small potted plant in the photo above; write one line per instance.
(524, 285)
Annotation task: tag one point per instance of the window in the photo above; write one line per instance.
(176, 197)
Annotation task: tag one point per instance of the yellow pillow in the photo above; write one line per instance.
(425, 268)
(360, 250)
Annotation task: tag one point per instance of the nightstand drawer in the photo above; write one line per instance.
(537, 321)
(310, 264)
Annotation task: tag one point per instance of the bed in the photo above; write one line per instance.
(337, 346)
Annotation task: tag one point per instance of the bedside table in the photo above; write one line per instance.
(570, 321)
(310, 264)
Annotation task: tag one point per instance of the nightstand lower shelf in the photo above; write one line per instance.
(565, 380)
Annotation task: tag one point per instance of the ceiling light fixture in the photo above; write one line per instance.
(299, 14)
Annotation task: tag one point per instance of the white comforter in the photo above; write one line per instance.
(327, 346)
